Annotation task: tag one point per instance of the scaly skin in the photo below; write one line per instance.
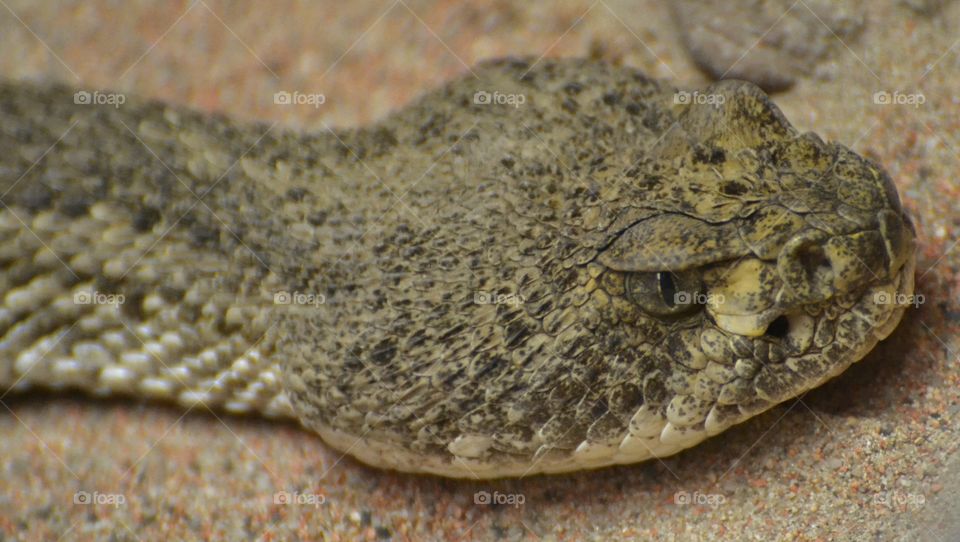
(605, 273)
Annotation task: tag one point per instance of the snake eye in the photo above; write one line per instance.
(664, 292)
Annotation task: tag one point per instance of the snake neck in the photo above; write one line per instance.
(145, 250)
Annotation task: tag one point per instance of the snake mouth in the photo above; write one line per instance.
(818, 349)
(791, 343)
(798, 351)
(814, 272)
(771, 322)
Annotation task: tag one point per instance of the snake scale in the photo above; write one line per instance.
(539, 267)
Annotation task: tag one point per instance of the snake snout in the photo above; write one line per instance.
(816, 266)
(899, 238)
(755, 297)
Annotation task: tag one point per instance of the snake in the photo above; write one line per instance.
(542, 266)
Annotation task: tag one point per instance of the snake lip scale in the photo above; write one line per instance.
(540, 267)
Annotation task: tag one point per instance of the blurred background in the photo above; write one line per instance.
(870, 456)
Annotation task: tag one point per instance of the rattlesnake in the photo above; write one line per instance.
(540, 267)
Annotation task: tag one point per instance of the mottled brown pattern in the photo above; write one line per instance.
(481, 289)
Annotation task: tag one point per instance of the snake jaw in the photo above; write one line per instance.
(822, 337)
(747, 325)
(741, 297)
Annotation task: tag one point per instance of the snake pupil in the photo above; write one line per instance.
(668, 288)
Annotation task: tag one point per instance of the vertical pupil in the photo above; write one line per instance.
(668, 288)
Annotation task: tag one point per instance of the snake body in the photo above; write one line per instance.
(602, 269)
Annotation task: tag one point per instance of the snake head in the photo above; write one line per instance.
(619, 272)
(778, 258)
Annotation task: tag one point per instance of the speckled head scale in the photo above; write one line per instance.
(588, 267)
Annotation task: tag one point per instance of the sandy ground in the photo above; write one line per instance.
(869, 456)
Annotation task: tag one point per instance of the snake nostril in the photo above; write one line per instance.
(778, 328)
(814, 260)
